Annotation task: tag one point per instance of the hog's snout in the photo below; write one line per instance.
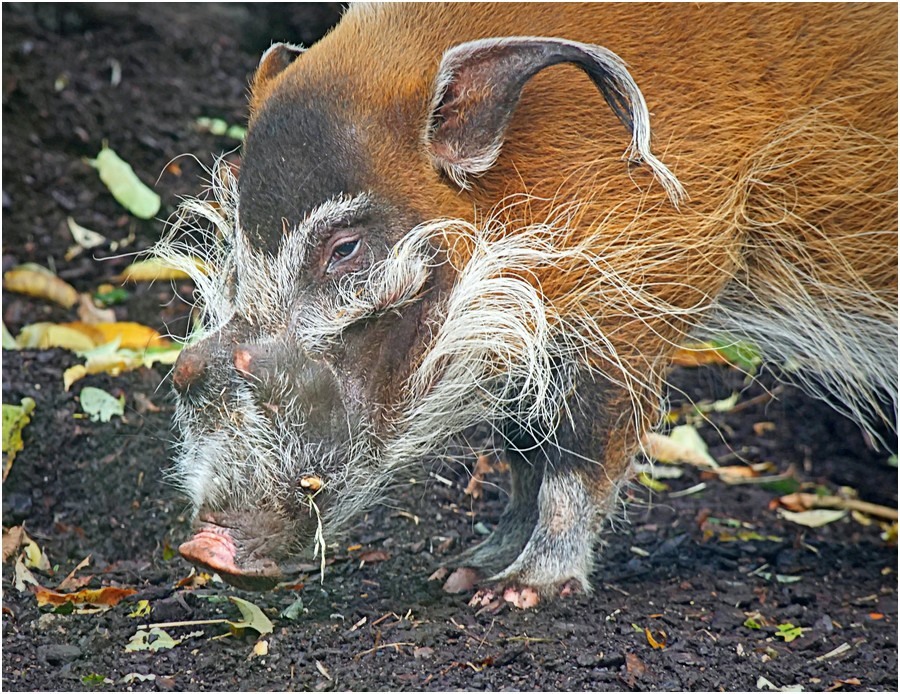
(269, 431)
(238, 547)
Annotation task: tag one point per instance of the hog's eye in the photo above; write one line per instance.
(342, 253)
(345, 250)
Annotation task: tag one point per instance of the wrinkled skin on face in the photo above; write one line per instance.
(309, 339)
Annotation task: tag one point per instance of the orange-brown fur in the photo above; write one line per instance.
(571, 274)
(780, 115)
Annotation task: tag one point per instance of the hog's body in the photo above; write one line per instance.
(432, 230)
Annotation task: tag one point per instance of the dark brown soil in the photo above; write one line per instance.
(85, 488)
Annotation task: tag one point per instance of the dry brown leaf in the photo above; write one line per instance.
(23, 575)
(803, 501)
(90, 314)
(697, 355)
(70, 582)
(194, 580)
(13, 538)
(109, 596)
(734, 473)
(40, 283)
(482, 467)
(634, 666)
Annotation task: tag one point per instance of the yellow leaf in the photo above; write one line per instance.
(683, 445)
(153, 270)
(130, 335)
(39, 282)
(50, 335)
(142, 609)
(34, 557)
(15, 419)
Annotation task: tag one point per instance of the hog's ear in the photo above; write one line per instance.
(273, 62)
(479, 84)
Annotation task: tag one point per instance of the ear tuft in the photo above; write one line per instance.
(478, 86)
(277, 58)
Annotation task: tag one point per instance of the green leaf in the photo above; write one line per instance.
(93, 680)
(15, 419)
(789, 632)
(142, 609)
(154, 640)
(751, 623)
(294, 611)
(128, 190)
(9, 342)
(100, 405)
(253, 617)
(113, 297)
(652, 484)
(744, 355)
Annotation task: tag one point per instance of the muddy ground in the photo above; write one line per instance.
(704, 573)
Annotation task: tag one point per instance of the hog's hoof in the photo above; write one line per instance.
(523, 597)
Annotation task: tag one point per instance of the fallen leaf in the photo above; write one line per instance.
(153, 640)
(15, 419)
(481, 469)
(253, 617)
(133, 336)
(13, 538)
(634, 666)
(35, 557)
(323, 670)
(39, 282)
(651, 483)
(100, 405)
(788, 632)
(763, 683)
(23, 576)
(658, 472)
(657, 644)
(154, 270)
(813, 519)
(90, 314)
(137, 677)
(51, 335)
(125, 186)
(194, 580)
(85, 238)
(697, 354)
(108, 596)
(142, 609)
(70, 583)
(293, 611)
(683, 445)
(760, 428)
(9, 342)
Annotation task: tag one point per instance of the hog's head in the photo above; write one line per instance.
(354, 316)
